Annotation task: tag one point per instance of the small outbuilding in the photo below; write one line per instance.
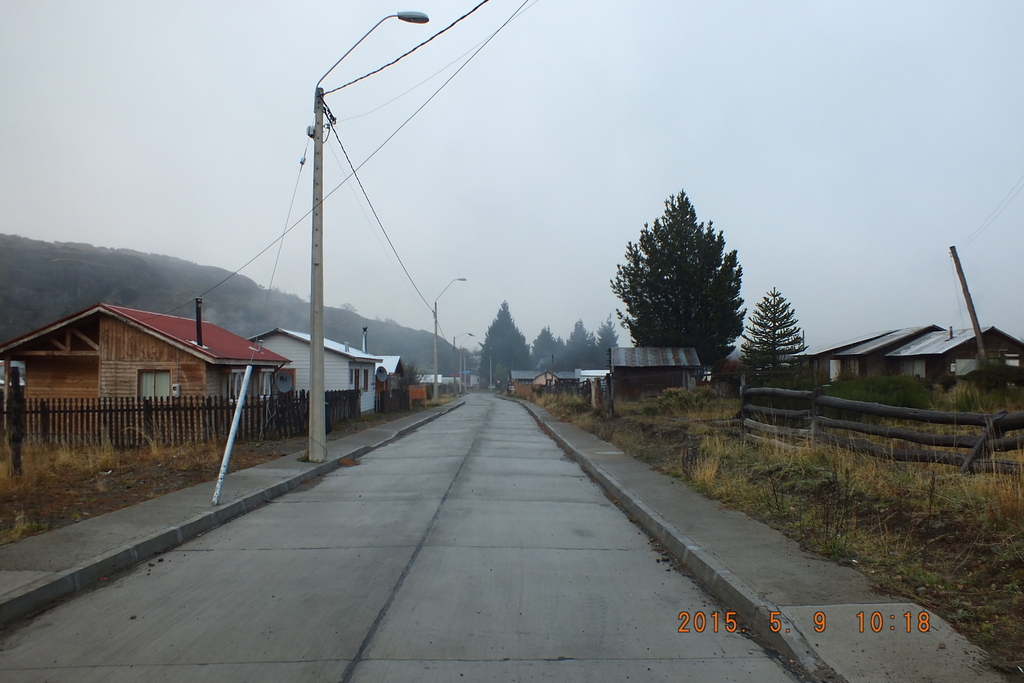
(639, 373)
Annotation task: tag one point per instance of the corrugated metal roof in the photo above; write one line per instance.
(524, 374)
(390, 363)
(936, 343)
(894, 337)
(647, 357)
(219, 345)
(329, 344)
(849, 343)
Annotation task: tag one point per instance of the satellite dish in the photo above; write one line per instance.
(382, 374)
(284, 382)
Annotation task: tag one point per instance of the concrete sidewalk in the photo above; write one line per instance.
(41, 569)
(762, 575)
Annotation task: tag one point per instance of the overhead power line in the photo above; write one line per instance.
(1010, 196)
(379, 147)
(400, 58)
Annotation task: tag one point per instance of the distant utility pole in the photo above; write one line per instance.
(982, 357)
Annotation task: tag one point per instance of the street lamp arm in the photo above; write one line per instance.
(353, 48)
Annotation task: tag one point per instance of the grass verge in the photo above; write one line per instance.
(952, 543)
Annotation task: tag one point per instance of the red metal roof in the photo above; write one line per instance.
(218, 343)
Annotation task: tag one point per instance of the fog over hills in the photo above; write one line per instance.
(43, 281)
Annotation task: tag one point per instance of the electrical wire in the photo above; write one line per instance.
(1010, 196)
(400, 58)
(408, 279)
(302, 218)
(284, 230)
(334, 130)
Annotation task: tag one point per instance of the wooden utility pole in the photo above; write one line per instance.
(982, 358)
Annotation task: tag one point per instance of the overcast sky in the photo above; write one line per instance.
(841, 147)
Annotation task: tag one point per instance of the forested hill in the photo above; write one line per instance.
(43, 281)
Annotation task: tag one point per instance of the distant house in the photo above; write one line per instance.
(639, 373)
(395, 373)
(345, 367)
(113, 351)
(925, 352)
(954, 352)
(867, 355)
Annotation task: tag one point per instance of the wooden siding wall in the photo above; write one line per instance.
(68, 377)
(124, 351)
(635, 384)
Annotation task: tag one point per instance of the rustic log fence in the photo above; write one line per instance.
(132, 423)
(817, 427)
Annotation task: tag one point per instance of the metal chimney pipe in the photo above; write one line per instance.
(364, 340)
(199, 321)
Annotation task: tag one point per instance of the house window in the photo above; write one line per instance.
(235, 383)
(154, 383)
(366, 379)
(266, 382)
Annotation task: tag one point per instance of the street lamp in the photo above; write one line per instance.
(317, 448)
(458, 360)
(458, 279)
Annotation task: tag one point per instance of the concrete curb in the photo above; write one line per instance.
(36, 596)
(716, 577)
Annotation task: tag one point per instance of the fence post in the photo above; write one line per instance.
(815, 426)
(16, 425)
(44, 420)
(743, 408)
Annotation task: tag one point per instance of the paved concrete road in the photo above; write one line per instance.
(469, 550)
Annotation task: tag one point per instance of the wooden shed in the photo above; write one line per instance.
(639, 373)
(113, 351)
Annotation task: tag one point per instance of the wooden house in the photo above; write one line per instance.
(954, 352)
(864, 356)
(925, 352)
(639, 373)
(345, 367)
(113, 351)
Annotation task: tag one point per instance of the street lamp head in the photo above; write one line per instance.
(461, 279)
(413, 17)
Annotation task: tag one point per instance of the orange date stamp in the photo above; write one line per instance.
(875, 622)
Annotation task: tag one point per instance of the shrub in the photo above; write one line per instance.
(896, 390)
(996, 377)
(674, 401)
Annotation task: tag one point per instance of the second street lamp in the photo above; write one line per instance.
(458, 279)
(317, 448)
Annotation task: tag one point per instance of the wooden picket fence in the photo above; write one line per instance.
(132, 422)
(824, 422)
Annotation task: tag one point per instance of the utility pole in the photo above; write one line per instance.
(435, 348)
(317, 447)
(982, 357)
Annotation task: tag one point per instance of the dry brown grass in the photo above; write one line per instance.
(952, 543)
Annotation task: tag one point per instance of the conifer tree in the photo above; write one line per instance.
(773, 337)
(680, 286)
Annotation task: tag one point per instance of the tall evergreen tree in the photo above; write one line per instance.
(607, 338)
(547, 351)
(680, 286)
(773, 336)
(504, 345)
(580, 347)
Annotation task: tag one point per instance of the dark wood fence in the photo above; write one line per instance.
(393, 401)
(826, 421)
(131, 422)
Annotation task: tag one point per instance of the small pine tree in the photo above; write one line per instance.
(773, 337)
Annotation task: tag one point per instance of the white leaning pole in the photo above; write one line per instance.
(239, 402)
